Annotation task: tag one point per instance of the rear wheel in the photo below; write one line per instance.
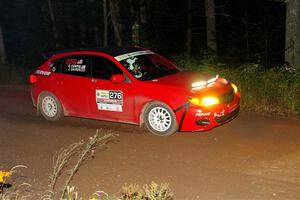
(160, 119)
(50, 107)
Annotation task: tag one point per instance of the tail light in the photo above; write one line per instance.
(32, 78)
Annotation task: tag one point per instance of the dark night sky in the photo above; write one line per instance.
(26, 27)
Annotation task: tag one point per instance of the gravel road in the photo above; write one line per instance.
(252, 157)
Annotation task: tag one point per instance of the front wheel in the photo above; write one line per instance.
(50, 107)
(160, 119)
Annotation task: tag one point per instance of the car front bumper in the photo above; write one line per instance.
(194, 118)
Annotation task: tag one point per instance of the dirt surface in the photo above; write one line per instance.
(252, 157)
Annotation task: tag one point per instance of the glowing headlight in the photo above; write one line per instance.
(209, 101)
(205, 101)
(235, 88)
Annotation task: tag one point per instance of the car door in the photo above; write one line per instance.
(73, 84)
(110, 101)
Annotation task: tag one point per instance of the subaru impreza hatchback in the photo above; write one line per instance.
(132, 85)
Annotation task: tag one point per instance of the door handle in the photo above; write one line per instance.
(94, 81)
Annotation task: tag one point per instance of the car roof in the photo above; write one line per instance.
(110, 50)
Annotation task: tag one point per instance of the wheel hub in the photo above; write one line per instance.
(159, 119)
(49, 106)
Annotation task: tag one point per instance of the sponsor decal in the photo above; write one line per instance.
(75, 65)
(79, 62)
(132, 54)
(42, 72)
(202, 114)
(52, 67)
(220, 114)
(110, 100)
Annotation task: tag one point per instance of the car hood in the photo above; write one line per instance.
(185, 80)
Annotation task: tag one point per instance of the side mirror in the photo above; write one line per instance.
(117, 78)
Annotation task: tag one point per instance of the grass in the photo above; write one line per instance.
(17, 188)
(80, 152)
(275, 90)
(153, 191)
(66, 164)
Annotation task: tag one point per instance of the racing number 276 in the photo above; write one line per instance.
(115, 95)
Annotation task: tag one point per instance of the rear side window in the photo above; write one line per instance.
(77, 65)
(55, 65)
(103, 68)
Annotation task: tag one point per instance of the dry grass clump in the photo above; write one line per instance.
(16, 188)
(67, 162)
(153, 191)
(62, 159)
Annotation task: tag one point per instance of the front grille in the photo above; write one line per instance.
(227, 98)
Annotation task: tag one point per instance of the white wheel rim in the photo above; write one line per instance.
(159, 119)
(49, 106)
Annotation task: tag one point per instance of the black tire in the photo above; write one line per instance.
(160, 119)
(50, 107)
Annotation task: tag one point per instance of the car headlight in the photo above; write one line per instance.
(235, 88)
(205, 101)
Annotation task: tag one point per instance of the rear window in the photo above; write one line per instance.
(77, 65)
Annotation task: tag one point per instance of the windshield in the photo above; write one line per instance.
(148, 66)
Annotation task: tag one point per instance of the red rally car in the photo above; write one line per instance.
(132, 85)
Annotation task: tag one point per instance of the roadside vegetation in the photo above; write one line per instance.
(66, 164)
(273, 90)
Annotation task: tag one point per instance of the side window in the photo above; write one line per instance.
(102, 68)
(77, 65)
(55, 66)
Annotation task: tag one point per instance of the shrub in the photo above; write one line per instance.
(275, 90)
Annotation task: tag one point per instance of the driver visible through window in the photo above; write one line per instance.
(148, 67)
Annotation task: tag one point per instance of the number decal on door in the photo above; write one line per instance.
(110, 100)
(115, 95)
